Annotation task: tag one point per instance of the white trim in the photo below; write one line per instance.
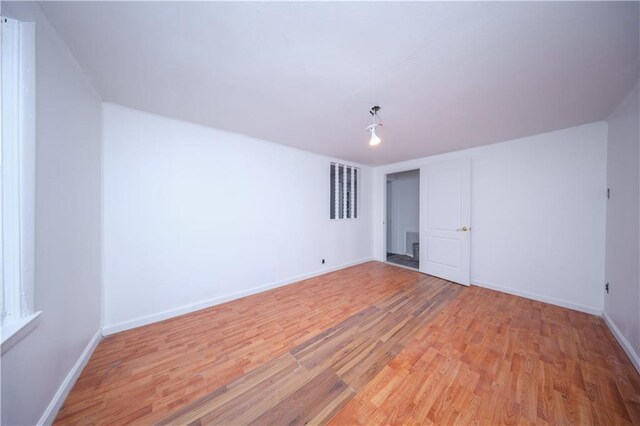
(11, 174)
(336, 195)
(13, 332)
(18, 171)
(103, 298)
(398, 243)
(171, 313)
(344, 192)
(27, 164)
(540, 298)
(633, 356)
(351, 192)
(54, 406)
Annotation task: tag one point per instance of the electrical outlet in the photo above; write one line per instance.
(606, 287)
(323, 261)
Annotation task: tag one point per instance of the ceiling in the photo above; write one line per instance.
(448, 76)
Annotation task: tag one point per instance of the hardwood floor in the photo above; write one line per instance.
(370, 344)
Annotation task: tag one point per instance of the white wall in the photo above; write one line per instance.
(194, 215)
(537, 211)
(622, 304)
(405, 207)
(68, 212)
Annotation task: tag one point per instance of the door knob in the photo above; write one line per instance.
(463, 229)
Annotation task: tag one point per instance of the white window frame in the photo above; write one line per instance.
(17, 181)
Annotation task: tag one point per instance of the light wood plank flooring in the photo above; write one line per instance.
(370, 344)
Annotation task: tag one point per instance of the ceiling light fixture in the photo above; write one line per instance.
(375, 139)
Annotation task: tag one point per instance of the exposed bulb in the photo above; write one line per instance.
(375, 140)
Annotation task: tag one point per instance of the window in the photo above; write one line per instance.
(17, 178)
(344, 191)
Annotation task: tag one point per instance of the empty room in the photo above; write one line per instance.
(344, 213)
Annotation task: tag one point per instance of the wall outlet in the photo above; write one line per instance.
(323, 261)
(606, 287)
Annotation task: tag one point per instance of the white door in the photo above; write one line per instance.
(445, 219)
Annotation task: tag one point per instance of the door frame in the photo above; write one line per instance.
(385, 225)
(389, 184)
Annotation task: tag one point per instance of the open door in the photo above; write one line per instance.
(445, 219)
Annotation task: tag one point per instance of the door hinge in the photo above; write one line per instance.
(606, 287)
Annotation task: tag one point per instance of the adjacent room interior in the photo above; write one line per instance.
(320, 213)
(403, 218)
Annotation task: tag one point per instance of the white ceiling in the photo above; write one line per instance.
(447, 75)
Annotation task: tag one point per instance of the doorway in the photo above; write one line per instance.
(403, 218)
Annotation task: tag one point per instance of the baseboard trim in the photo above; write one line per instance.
(171, 313)
(633, 356)
(51, 412)
(540, 298)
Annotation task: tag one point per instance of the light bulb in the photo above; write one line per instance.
(375, 140)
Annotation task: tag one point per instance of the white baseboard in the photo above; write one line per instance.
(161, 316)
(540, 298)
(635, 359)
(51, 412)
